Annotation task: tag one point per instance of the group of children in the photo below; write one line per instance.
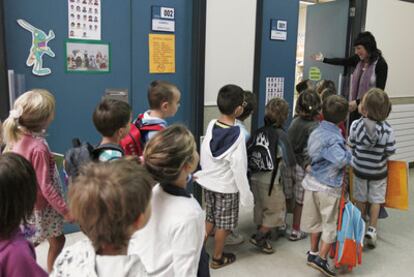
(138, 216)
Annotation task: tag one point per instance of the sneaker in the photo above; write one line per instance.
(280, 232)
(371, 237)
(322, 265)
(297, 235)
(234, 238)
(310, 258)
(262, 243)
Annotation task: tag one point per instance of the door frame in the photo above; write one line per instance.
(4, 87)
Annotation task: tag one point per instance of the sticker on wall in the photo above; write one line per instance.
(87, 56)
(274, 87)
(38, 49)
(315, 73)
(161, 53)
(84, 19)
(278, 29)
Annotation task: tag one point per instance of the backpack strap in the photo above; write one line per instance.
(274, 173)
(107, 146)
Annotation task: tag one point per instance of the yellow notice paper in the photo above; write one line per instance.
(161, 53)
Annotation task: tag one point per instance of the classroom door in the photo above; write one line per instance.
(141, 78)
(326, 32)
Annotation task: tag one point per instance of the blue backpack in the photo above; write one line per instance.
(350, 237)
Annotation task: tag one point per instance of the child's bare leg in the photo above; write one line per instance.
(325, 248)
(264, 230)
(362, 206)
(55, 247)
(315, 238)
(373, 214)
(297, 214)
(209, 229)
(219, 239)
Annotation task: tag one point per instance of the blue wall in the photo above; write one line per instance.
(278, 58)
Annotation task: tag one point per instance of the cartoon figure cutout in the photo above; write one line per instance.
(38, 49)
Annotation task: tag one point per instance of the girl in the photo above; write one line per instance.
(17, 199)
(171, 243)
(24, 132)
(308, 107)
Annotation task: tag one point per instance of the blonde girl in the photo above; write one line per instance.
(24, 133)
(172, 241)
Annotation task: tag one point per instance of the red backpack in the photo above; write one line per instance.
(133, 143)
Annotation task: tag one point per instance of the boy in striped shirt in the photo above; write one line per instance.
(372, 141)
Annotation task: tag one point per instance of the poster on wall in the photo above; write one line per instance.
(87, 56)
(274, 87)
(84, 19)
(161, 53)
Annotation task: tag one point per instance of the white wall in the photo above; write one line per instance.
(230, 40)
(391, 22)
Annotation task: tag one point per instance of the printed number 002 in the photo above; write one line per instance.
(169, 13)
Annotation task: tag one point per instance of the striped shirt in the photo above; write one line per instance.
(372, 143)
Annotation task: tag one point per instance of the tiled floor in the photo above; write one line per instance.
(393, 256)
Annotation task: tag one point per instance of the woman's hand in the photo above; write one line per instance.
(317, 57)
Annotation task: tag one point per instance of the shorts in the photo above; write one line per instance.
(269, 211)
(320, 214)
(222, 209)
(372, 191)
(298, 188)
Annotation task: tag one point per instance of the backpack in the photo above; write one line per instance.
(133, 143)
(262, 152)
(350, 236)
(83, 153)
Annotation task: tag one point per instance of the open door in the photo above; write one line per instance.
(326, 32)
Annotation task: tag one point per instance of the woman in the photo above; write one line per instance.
(371, 69)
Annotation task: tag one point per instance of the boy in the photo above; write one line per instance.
(110, 201)
(164, 101)
(111, 118)
(323, 185)
(304, 85)
(372, 141)
(270, 205)
(224, 172)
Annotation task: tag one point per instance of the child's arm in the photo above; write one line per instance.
(186, 243)
(352, 135)
(41, 164)
(238, 165)
(390, 147)
(337, 154)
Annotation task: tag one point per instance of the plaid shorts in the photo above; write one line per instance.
(299, 191)
(222, 209)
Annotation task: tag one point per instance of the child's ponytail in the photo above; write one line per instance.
(11, 126)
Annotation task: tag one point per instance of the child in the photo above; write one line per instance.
(24, 132)
(323, 184)
(324, 95)
(270, 205)
(251, 103)
(304, 85)
(307, 109)
(111, 118)
(164, 101)
(325, 84)
(372, 141)
(224, 172)
(110, 201)
(171, 243)
(17, 199)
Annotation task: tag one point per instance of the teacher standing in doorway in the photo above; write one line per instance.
(371, 69)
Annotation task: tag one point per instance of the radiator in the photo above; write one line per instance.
(401, 120)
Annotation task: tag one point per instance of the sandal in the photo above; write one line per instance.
(262, 243)
(226, 259)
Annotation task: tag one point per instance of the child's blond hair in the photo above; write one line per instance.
(168, 151)
(31, 111)
(376, 104)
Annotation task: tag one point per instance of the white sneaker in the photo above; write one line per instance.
(371, 237)
(234, 238)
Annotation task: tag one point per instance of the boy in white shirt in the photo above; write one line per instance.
(224, 172)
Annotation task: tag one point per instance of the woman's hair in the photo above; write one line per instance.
(249, 106)
(31, 111)
(324, 84)
(107, 198)
(168, 151)
(376, 104)
(18, 188)
(367, 40)
(308, 104)
(276, 112)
